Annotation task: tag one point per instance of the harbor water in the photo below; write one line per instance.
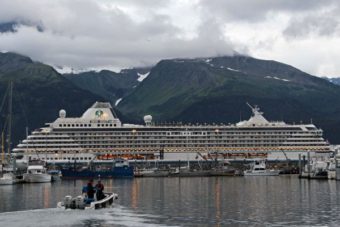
(200, 201)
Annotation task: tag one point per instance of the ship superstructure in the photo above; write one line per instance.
(99, 132)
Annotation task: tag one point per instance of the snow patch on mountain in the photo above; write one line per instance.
(118, 101)
(276, 78)
(210, 64)
(142, 77)
(235, 70)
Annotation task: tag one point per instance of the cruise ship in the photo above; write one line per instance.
(99, 134)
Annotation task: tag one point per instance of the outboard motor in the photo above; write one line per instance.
(68, 201)
(80, 202)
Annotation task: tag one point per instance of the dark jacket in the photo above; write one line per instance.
(90, 191)
(100, 187)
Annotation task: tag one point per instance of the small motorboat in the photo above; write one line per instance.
(8, 179)
(37, 174)
(259, 169)
(79, 202)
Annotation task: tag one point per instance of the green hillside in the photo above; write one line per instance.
(213, 90)
(107, 84)
(39, 92)
(216, 90)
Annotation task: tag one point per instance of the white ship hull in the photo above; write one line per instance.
(262, 173)
(174, 156)
(8, 179)
(37, 178)
(6, 182)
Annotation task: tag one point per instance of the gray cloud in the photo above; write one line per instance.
(88, 33)
(118, 34)
(324, 23)
(257, 10)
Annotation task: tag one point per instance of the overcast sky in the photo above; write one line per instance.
(124, 33)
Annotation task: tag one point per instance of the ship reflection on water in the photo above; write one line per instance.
(218, 202)
(214, 201)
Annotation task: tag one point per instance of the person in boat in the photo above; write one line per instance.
(99, 190)
(90, 190)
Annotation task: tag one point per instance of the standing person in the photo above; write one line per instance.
(90, 191)
(100, 189)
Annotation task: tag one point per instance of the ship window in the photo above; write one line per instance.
(110, 125)
(81, 125)
(60, 125)
(77, 125)
(68, 125)
(98, 125)
(106, 125)
(114, 125)
(72, 125)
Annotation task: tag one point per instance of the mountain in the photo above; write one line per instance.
(107, 84)
(335, 80)
(202, 90)
(7, 27)
(215, 90)
(39, 92)
(12, 26)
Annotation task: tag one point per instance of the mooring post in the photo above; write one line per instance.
(308, 163)
(300, 166)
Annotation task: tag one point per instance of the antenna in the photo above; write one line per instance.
(250, 106)
(2, 148)
(10, 119)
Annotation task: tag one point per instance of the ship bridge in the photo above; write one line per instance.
(100, 115)
(99, 111)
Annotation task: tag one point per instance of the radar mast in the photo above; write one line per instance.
(256, 110)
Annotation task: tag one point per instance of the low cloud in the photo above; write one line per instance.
(254, 11)
(324, 23)
(84, 34)
(104, 35)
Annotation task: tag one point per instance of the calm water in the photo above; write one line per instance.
(220, 201)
